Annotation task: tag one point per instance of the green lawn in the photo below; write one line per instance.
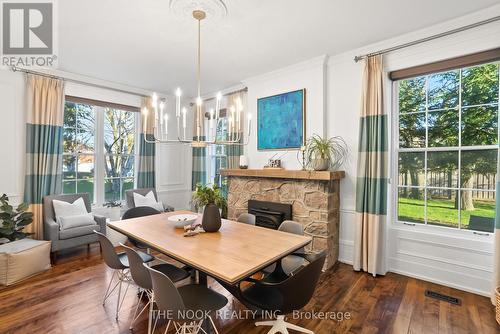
(442, 212)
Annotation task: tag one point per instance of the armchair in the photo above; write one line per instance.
(129, 194)
(72, 237)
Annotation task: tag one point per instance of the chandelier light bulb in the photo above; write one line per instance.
(162, 105)
(178, 92)
(199, 101)
(219, 96)
(155, 99)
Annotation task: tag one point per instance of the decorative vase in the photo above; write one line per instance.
(211, 220)
(320, 164)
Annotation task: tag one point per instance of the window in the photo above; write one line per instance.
(98, 150)
(447, 128)
(78, 149)
(119, 145)
(216, 156)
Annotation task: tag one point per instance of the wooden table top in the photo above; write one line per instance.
(233, 253)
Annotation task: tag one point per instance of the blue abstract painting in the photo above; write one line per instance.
(280, 121)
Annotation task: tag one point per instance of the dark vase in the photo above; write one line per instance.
(211, 220)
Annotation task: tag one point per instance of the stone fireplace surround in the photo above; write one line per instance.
(314, 197)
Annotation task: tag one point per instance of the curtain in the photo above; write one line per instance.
(496, 259)
(199, 173)
(43, 174)
(147, 151)
(372, 172)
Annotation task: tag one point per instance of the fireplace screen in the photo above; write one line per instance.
(269, 214)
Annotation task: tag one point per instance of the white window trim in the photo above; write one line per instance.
(394, 175)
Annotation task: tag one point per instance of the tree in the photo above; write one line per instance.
(479, 123)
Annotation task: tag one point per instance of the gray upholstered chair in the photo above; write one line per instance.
(290, 263)
(129, 194)
(72, 237)
(247, 218)
(186, 305)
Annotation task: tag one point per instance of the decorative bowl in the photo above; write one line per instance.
(180, 221)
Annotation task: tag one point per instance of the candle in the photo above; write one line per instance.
(155, 106)
(166, 126)
(184, 120)
(145, 121)
(211, 121)
(162, 107)
(178, 94)
(184, 111)
(217, 105)
(249, 117)
(239, 108)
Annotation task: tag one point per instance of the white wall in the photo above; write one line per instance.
(173, 163)
(460, 260)
(309, 75)
(12, 135)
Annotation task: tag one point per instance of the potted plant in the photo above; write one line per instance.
(326, 153)
(13, 220)
(214, 204)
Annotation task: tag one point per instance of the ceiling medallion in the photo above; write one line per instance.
(214, 9)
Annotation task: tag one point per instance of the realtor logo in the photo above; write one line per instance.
(28, 33)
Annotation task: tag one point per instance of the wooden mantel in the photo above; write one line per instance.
(285, 174)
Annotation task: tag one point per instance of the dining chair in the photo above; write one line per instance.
(119, 262)
(137, 212)
(292, 262)
(283, 295)
(185, 304)
(142, 279)
(247, 218)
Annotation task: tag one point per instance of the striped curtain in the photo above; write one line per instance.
(372, 172)
(147, 151)
(199, 173)
(43, 175)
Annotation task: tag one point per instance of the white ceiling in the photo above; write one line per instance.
(141, 44)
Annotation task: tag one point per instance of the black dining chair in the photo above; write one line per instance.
(137, 212)
(281, 293)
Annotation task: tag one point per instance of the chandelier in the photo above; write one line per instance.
(202, 138)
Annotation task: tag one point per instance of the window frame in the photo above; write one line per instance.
(394, 161)
(99, 152)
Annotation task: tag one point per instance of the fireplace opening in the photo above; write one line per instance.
(269, 214)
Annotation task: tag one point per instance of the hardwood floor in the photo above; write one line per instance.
(67, 299)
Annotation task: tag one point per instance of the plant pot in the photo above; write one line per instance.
(320, 164)
(211, 220)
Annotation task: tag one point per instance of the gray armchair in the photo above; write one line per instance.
(129, 194)
(72, 237)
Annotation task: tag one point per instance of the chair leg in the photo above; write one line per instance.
(213, 325)
(150, 314)
(107, 293)
(135, 316)
(118, 301)
(53, 257)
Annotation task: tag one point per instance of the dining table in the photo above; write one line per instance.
(235, 252)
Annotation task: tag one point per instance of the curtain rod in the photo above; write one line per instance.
(427, 39)
(18, 69)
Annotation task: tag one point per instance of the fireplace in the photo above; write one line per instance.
(269, 214)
